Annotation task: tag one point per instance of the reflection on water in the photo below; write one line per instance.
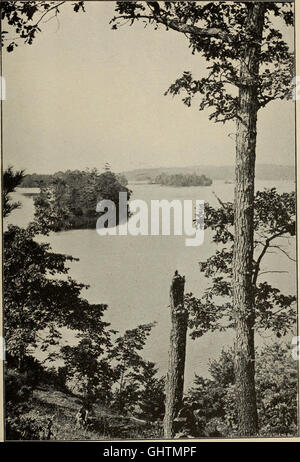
(133, 274)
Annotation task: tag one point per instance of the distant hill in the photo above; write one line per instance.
(222, 172)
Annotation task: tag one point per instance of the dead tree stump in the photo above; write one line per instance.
(175, 375)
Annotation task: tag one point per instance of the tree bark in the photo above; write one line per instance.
(175, 375)
(243, 296)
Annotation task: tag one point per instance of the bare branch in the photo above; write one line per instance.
(263, 252)
(55, 7)
(266, 272)
(219, 200)
(283, 251)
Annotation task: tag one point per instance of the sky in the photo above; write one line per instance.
(83, 95)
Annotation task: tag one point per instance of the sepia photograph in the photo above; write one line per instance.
(149, 230)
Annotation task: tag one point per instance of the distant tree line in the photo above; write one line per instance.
(179, 179)
(35, 180)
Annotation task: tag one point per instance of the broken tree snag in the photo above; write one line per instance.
(175, 375)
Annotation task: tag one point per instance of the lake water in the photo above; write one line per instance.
(133, 274)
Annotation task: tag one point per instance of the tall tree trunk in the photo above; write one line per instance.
(175, 376)
(243, 297)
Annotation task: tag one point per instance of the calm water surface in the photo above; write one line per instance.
(132, 274)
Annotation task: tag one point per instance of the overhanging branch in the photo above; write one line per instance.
(162, 17)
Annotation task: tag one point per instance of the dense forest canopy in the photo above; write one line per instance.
(68, 200)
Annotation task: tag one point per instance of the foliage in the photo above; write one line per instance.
(25, 19)
(129, 366)
(276, 388)
(22, 427)
(17, 387)
(274, 221)
(88, 371)
(11, 180)
(18, 396)
(116, 376)
(35, 300)
(35, 180)
(277, 382)
(114, 373)
(70, 200)
(151, 392)
(183, 180)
